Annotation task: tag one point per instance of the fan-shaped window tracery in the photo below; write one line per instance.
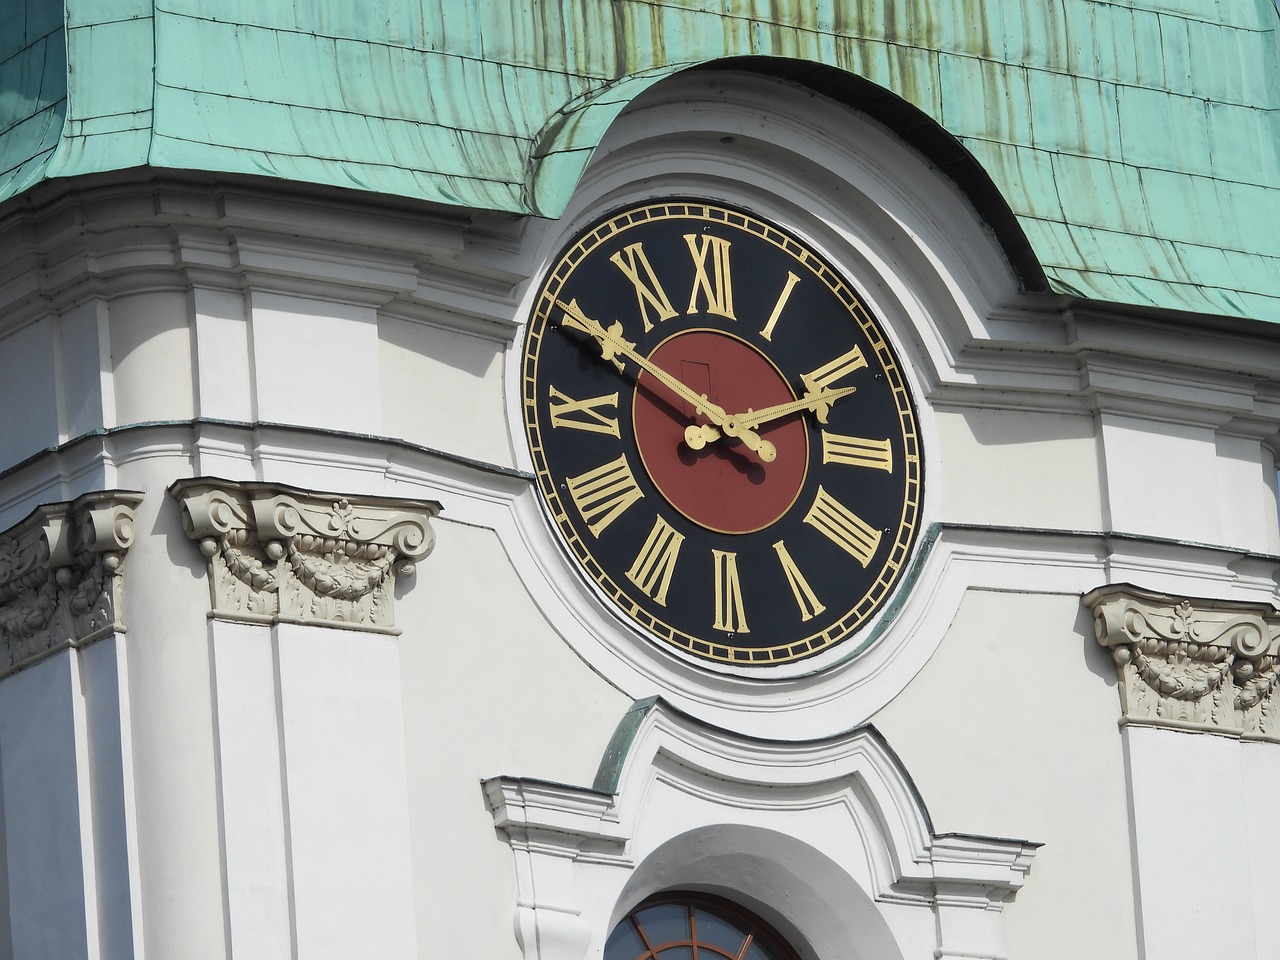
(694, 927)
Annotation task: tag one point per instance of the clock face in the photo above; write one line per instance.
(721, 433)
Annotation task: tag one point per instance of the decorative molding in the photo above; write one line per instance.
(1202, 665)
(832, 821)
(278, 553)
(61, 576)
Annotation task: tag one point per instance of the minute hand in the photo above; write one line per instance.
(613, 345)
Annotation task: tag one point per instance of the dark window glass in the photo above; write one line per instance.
(678, 926)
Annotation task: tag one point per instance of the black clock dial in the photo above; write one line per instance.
(721, 433)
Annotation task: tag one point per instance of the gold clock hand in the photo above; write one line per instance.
(697, 436)
(819, 402)
(612, 345)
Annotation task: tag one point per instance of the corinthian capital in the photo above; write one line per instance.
(60, 576)
(280, 553)
(1207, 665)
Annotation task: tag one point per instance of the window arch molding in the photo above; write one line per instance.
(811, 901)
(827, 840)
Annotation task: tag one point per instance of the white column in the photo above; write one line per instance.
(1257, 839)
(1198, 691)
(347, 793)
(108, 743)
(1192, 856)
(250, 769)
(46, 805)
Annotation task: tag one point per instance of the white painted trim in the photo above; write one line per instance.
(843, 807)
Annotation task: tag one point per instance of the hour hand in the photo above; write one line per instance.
(817, 401)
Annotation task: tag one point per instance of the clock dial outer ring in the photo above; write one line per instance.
(872, 591)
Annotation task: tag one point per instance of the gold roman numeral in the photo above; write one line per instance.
(583, 414)
(843, 527)
(656, 561)
(778, 307)
(730, 616)
(840, 367)
(808, 602)
(632, 261)
(857, 452)
(602, 494)
(717, 287)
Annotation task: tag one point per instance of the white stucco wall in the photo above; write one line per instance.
(1010, 729)
(265, 778)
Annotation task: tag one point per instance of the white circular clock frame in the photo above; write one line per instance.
(922, 260)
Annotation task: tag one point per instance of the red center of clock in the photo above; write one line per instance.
(725, 486)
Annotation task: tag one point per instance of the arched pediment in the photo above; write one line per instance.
(819, 836)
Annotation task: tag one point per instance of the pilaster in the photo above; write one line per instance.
(281, 554)
(1192, 664)
(1198, 694)
(309, 719)
(60, 576)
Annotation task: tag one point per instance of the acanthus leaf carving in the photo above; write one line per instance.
(277, 552)
(1207, 665)
(61, 576)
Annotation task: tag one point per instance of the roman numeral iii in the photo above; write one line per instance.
(631, 260)
(857, 451)
(656, 561)
(730, 615)
(843, 527)
(717, 286)
(602, 494)
(582, 414)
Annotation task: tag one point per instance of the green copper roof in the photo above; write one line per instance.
(1137, 142)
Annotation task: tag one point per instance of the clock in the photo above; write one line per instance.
(721, 433)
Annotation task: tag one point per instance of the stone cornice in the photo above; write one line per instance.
(60, 576)
(280, 553)
(1192, 664)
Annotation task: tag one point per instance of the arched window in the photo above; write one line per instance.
(684, 926)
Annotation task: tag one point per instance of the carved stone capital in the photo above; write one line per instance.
(280, 553)
(1206, 665)
(60, 576)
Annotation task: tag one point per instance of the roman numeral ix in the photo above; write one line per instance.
(582, 414)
